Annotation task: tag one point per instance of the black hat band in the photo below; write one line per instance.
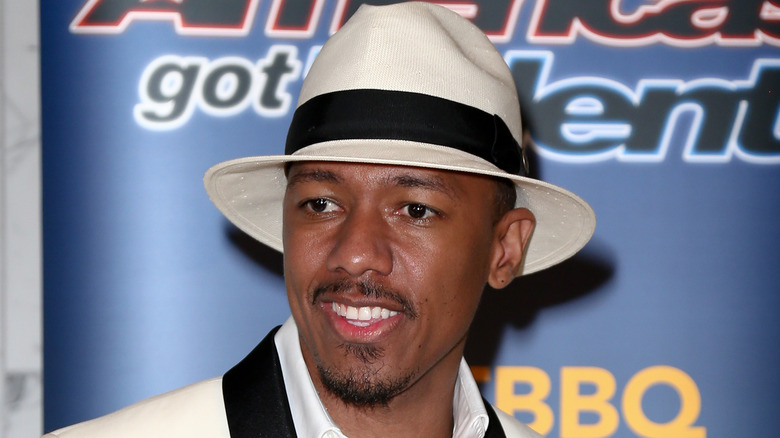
(399, 115)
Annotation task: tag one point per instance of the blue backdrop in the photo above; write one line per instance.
(664, 115)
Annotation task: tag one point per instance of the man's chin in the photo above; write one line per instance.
(362, 388)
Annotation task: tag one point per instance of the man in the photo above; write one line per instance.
(401, 195)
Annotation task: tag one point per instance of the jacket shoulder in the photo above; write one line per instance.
(513, 428)
(193, 411)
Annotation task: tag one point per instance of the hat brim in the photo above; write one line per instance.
(250, 191)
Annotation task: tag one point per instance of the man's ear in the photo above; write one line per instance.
(510, 241)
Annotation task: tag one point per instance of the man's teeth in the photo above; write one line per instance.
(365, 313)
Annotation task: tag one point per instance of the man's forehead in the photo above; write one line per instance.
(446, 181)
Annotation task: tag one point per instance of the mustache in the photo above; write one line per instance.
(367, 288)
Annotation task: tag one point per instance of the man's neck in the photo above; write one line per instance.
(424, 409)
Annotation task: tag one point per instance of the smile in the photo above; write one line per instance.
(362, 316)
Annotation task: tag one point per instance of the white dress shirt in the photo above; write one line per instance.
(312, 420)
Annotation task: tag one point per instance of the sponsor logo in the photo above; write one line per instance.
(592, 402)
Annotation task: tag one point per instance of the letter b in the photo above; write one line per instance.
(508, 401)
(573, 402)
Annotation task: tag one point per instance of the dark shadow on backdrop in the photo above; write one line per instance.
(261, 254)
(518, 304)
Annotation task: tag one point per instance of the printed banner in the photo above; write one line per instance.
(663, 114)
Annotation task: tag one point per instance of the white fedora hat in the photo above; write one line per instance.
(411, 84)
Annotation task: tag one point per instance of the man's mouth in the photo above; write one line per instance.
(362, 316)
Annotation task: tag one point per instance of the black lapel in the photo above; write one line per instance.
(494, 429)
(255, 398)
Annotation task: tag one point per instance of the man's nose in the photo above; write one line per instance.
(362, 244)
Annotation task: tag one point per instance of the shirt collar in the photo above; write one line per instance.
(471, 417)
(311, 419)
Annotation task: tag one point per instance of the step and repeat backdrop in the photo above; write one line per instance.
(663, 114)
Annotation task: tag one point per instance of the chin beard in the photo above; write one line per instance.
(362, 387)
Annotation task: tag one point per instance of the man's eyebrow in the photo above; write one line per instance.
(431, 183)
(313, 175)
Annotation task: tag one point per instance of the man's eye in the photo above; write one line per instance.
(418, 211)
(320, 205)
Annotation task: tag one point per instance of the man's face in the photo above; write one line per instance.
(384, 268)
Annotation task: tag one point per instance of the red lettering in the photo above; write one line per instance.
(190, 17)
(682, 23)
